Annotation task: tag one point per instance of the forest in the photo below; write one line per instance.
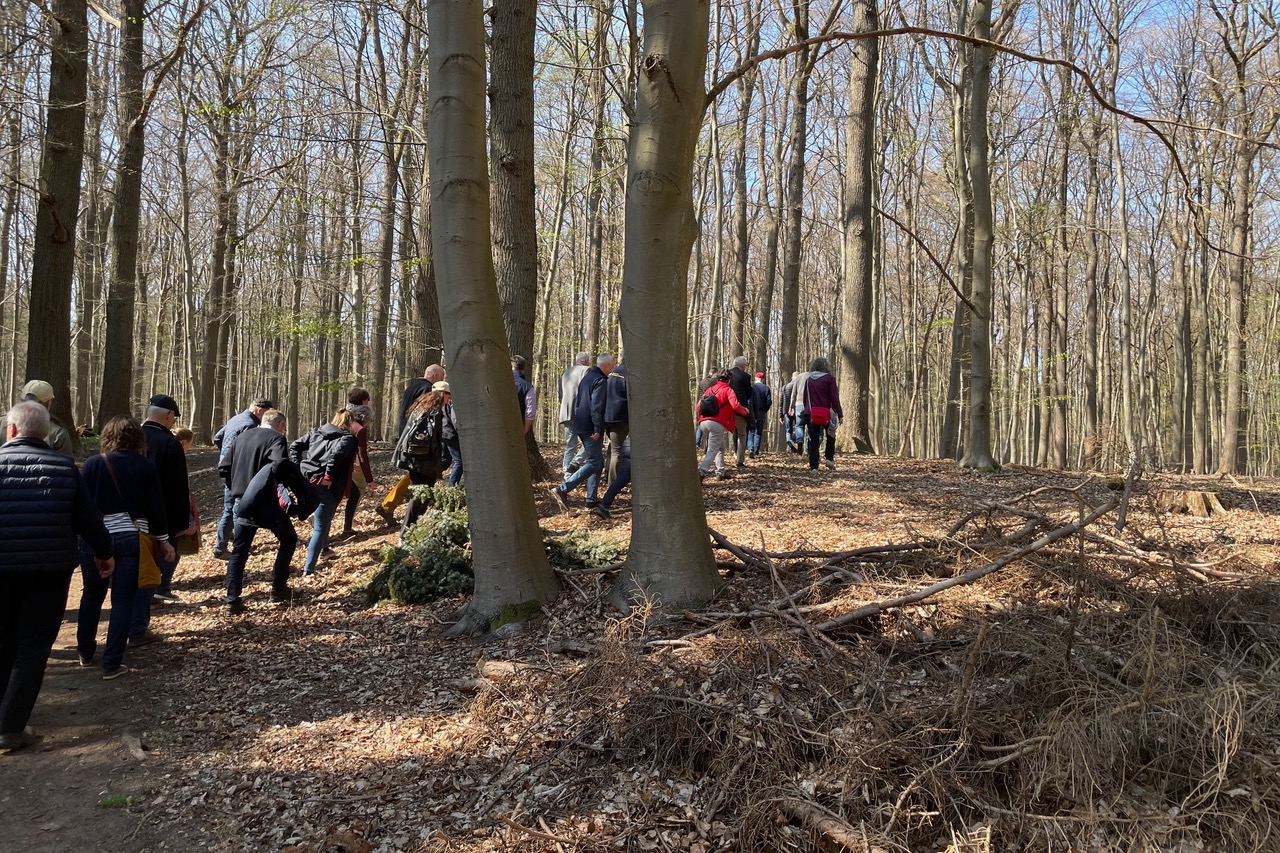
(1031, 606)
(253, 212)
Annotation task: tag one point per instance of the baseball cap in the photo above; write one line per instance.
(264, 403)
(38, 390)
(164, 401)
(441, 386)
(759, 376)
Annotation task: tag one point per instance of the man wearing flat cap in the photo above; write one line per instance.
(42, 392)
(164, 449)
(224, 438)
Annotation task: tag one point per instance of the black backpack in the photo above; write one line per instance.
(419, 446)
(708, 406)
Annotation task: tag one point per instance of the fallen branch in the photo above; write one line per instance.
(875, 607)
(823, 822)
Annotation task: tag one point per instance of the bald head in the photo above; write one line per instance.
(433, 374)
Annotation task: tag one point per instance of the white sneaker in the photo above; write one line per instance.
(830, 463)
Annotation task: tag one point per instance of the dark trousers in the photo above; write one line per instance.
(31, 607)
(353, 501)
(816, 432)
(282, 527)
(127, 601)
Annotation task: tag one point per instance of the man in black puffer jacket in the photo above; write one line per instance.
(43, 505)
(254, 450)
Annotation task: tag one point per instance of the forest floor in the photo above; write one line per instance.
(1110, 690)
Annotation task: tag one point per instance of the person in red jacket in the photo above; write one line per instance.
(717, 409)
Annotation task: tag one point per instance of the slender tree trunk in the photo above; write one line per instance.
(508, 555)
(794, 206)
(860, 134)
(595, 190)
(978, 453)
(670, 559)
(1092, 417)
(62, 158)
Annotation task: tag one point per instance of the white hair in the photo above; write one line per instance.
(582, 358)
(156, 412)
(740, 361)
(604, 358)
(30, 418)
(273, 418)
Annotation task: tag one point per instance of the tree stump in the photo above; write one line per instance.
(1199, 504)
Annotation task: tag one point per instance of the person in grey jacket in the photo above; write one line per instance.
(43, 506)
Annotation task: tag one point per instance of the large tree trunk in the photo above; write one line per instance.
(669, 560)
(508, 555)
(794, 206)
(62, 158)
(978, 450)
(515, 234)
(118, 345)
(855, 328)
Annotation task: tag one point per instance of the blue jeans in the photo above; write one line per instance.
(621, 480)
(573, 449)
(226, 524)
(142, 613)
(454, 452)
(590, 470)
(326, 509)
(126, 600)
(282, 527)
(753, 436)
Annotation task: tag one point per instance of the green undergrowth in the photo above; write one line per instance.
(434, 561)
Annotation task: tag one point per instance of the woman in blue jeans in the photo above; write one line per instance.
(125, 487)
(324, 456)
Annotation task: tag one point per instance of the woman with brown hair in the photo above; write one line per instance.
(418, 450)
(125, 487)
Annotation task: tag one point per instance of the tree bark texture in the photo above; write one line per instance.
(859, 250)
(61, 161)
(670, 559)
(508, 555)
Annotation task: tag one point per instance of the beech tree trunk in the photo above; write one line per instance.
(794, 206)
(118, 345)
(978, 450)
(61, 161)
(859, 292)
(670, 559)
(508, 555)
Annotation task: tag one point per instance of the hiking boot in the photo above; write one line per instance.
(830, 463)
(724, 475)
(115, 673)
(282, 595)
(560, 499)
(146, 638)
(236, 608)
(221, 554)
(602, 511)
(388, 517)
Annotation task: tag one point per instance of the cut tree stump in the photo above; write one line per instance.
(1200, 504)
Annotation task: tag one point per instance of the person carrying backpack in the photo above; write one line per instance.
(418, 450)
(718, 408)
(324, 456)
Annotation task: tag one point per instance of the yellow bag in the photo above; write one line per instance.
(148, 565)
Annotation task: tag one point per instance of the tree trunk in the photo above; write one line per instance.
(118, 344)
(595, 190)
(794, 206)
(62, 158)
(860, 133)
(670, 559)
(508, 554)
(978, 451)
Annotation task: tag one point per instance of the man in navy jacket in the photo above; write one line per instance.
(224, 439)
(166, 451)
(588, 426)
(43, 506)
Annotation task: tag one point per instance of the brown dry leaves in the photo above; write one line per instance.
(329, 727)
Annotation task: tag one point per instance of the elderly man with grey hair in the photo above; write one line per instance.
(588, 425)
(43, 506)
(569, 382)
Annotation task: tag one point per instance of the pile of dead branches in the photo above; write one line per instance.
(1033, 679)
